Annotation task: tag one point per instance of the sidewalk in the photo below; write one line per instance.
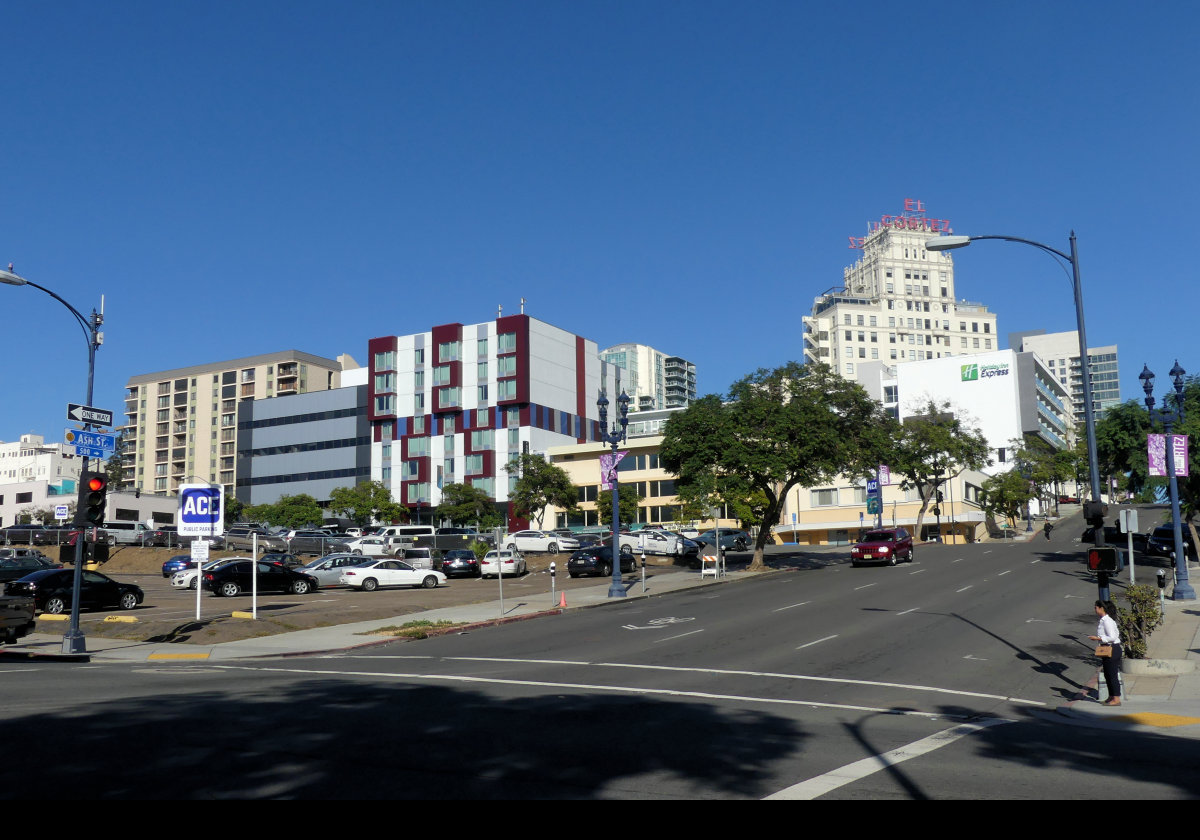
(1162, 692)
(47, 647)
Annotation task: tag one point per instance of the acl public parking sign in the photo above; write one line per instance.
(201, 510)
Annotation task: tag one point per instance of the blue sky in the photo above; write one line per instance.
(240, 178)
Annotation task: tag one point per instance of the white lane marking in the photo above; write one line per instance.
(1031, 562)
(834, 779)
(906, 612)
(731, 673)
(864, 586)
(578, 686)
(1037, 620)
(817, 642)
(964, 589)
(918, 571)
(680, 636)
(976, 658)
(1002, 574)
(801, 604)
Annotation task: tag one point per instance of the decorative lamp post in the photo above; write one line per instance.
(73, 639)
(614, 437)
(1169, 416)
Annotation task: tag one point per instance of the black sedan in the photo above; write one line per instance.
(237, 577)
(1161, 543)
(458, 562)
(15, 568)
(51, 591)
(597, 560)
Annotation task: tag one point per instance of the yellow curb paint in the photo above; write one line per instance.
(239, 614)
(178, 656)
(48, 617)
(121, 619)
(1156, 719)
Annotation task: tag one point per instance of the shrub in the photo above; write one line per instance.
(1138, 619)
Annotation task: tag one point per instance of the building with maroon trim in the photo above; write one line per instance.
(457, 403)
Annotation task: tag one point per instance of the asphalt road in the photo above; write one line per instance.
(937, 680)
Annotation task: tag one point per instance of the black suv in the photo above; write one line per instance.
(1162, 543)
(597, 560)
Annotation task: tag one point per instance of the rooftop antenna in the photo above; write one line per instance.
(522, 306)
(499, 311)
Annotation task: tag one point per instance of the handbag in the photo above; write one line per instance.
(1104, 651)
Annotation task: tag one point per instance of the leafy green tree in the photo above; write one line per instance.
(297, 511)
(630, 498)
(539, 484)
(465, 504)
(1121, 445)
(234, 508)
(114, 467)
(366, 502)
(794, 425)
(932, 448)
(1006, 494)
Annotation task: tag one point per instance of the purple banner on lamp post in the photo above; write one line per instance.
(1156, 452)
(608, 469)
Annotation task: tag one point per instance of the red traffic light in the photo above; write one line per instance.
(96, 482)
(1104, 559)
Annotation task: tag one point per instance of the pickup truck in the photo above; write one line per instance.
(16, 618)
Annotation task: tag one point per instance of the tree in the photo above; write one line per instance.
(932, 448)
(630, 500)
(366, 502)
(1121, 445)
(465, 504)
(114, 467)
(289, 512)
(540, 484)
(1006, 494)
(794, 425)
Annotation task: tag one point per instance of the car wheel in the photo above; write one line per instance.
(572, 575)
(854, 564)
(370, 585)
(300, 587)
(193, 584)
(128, 601)
(55, 605)
(228, 589)
(511, 547)
(111, 540)
(606, 570)
(357, 551)
(911, 552)
(430, 582)
(739, 546)
(552, 548)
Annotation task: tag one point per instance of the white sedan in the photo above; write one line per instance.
(539, 541)
(655, 540)
(506, 563)
(328, 569)
(373, 574)
(370, 546)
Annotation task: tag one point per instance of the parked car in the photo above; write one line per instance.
(314, 542)
(176, 564)
(17, 618)
(51, 590)
(458, 561)
(1114, 536)
(188, 578)
(539, 541)
(164, 536)
(241, 538)
(125, 533)
(883, 545)
(732, 539)
(24, 535)
(370, 546)
(1161, 543)
(328, 569)
(688, 546)
(234, 578)
(597, 560)
(377, 573)
(292, 561)
(15, 567)
(655, 541)
(502, 562)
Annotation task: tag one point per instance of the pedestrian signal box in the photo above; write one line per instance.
(1105, 558)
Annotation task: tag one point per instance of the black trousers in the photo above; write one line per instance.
(1112, 671)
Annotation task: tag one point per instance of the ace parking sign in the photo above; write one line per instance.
(201, 510)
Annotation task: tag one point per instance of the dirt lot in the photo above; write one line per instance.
(168, 615)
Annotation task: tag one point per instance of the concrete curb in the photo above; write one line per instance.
(1157, 667)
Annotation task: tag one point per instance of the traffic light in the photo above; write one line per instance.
(93, 493)
(1105, 558)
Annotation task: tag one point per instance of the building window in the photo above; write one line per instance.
(384, 361)
(506, 342)
(823, 498)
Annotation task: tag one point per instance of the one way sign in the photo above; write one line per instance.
(87, 414)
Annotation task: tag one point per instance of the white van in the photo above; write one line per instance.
(125, 533)
(408, 532)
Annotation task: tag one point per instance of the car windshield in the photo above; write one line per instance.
(879, 536)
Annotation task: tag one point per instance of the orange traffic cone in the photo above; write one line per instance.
(562, 601)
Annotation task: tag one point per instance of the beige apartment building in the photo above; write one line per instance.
(181, 424)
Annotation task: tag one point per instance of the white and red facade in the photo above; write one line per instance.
(457, 403)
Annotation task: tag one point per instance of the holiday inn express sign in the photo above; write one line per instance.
(974, 372)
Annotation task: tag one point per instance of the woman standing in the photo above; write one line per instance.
(1107, 633)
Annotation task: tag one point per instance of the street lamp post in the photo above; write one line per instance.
(614, 437)
(1169, 416)
(1095, 512)
(73, 639)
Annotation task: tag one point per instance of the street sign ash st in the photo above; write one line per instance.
(201, 510)
(92, 440)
